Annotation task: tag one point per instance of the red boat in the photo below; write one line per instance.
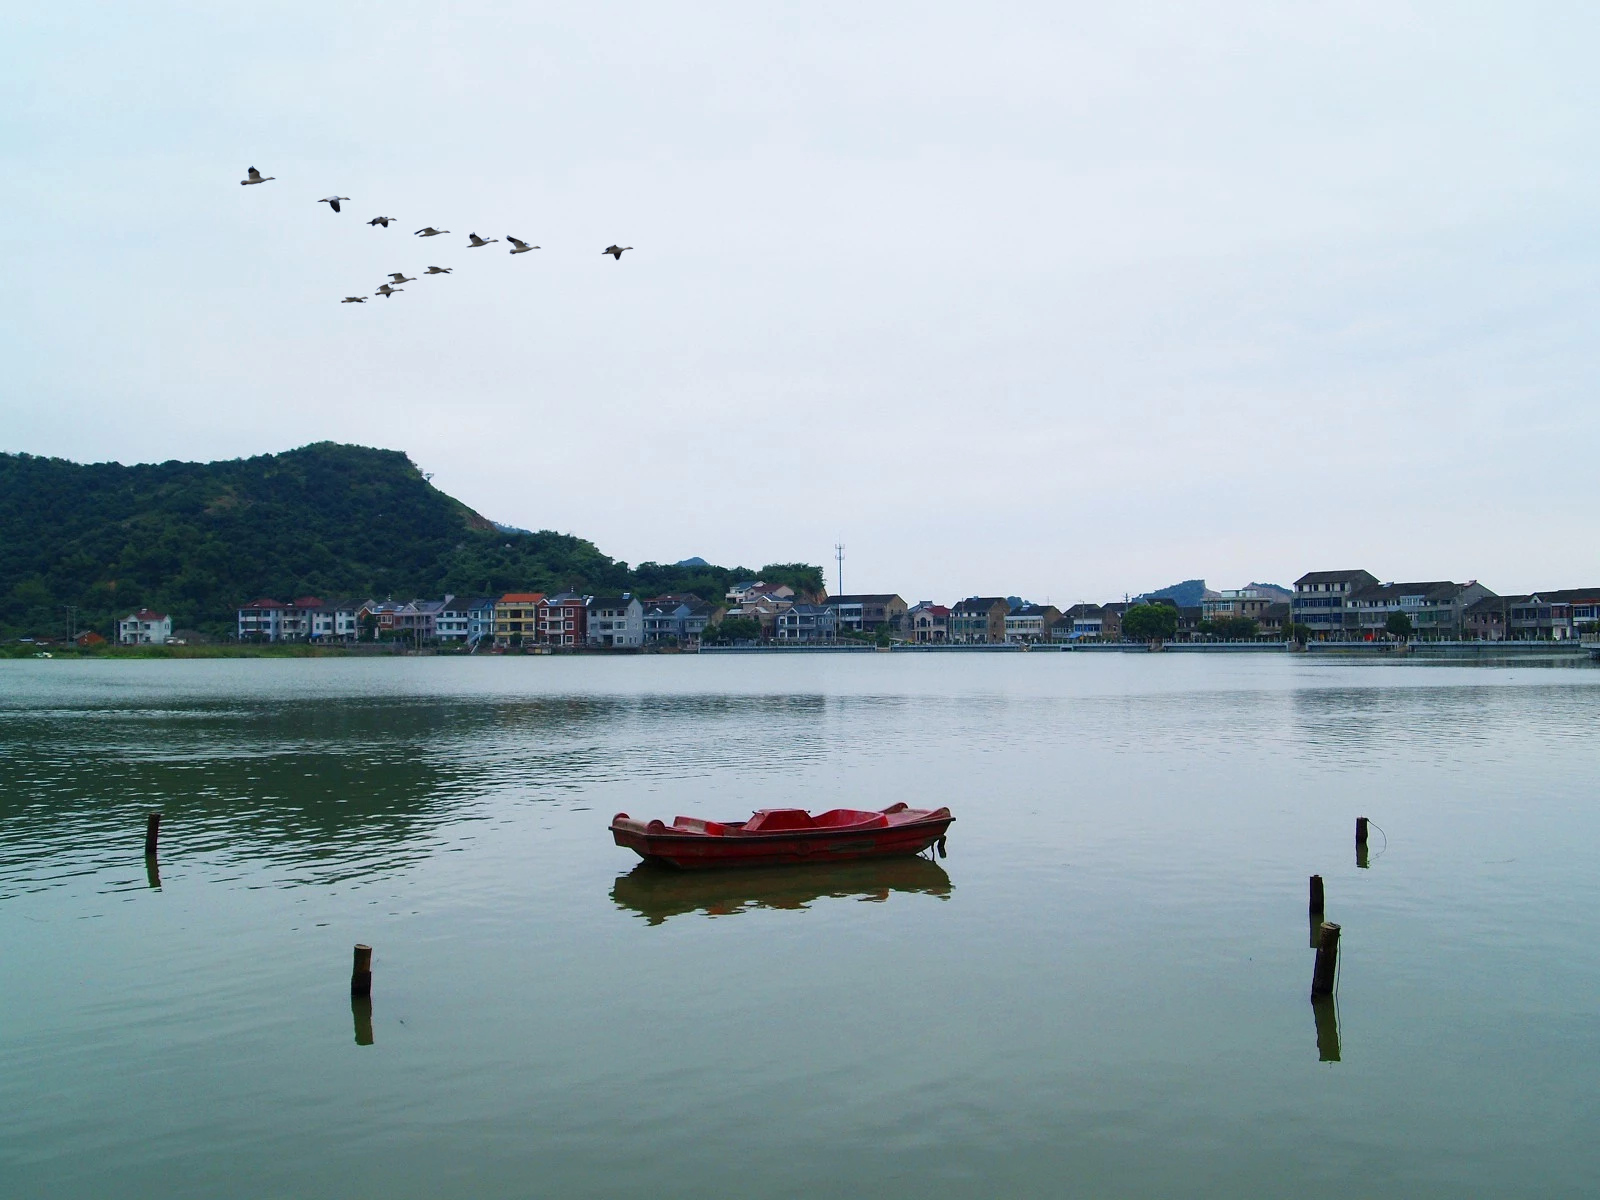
(776, 836)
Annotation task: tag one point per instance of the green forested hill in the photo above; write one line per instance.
(198, 539)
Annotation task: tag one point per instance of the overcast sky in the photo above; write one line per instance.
(1062, 300)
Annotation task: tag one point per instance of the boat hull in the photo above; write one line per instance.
(657, 843)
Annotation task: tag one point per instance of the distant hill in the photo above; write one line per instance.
(1275, 591)
(198, 539)
(1187, 594)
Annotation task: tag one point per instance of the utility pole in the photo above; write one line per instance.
(838, 554)
(72, 621)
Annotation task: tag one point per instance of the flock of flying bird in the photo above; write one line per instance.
(392, 285)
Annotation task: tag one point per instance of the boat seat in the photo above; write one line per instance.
(696, 825)
(849, 818)
(778, 820)
(789, 820)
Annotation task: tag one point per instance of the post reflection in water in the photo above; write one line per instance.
(657, 892)
(1316, 930)
(1326, 1012)
(361, 1011)
(326, 792)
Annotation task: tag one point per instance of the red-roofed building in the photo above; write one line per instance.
(261, 620)
(516, 619)
(927, 622)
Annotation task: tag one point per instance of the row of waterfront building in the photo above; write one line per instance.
(1325, 605)
(562, 619)
(1355, 606)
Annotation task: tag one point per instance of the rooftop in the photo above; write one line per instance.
(1332, 577)
(1569, 596)
(1431, 589)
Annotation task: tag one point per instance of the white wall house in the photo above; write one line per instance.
(335, 622)
(261, 620)
(144, 628)
(452, 622)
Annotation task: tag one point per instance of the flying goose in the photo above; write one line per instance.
(438, 270)
(384, 221)
(255, 177)
(400, 277)
(386, 291)
(522, 247)
(429, 231)
(332, 201)
(354, 300)
(478, 241)
(616, 251)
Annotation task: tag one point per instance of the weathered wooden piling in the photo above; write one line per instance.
(1316, 895)
(1361, 831)
(152, 834)
(152, 872)
(1322, 975)
(361, 971)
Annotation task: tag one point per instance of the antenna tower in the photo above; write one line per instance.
(838, 554)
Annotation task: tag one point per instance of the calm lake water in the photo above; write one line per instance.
(1102, 991)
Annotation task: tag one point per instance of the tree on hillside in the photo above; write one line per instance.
(805, 579)
(197, 540)
(1144, 622)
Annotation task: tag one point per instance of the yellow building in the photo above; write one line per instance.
(516, 619)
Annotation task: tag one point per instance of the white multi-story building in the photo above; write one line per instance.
(335, 621)
(261, 620)
(453, 621)
(144, 628)
(308, 618)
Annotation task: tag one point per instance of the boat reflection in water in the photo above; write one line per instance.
(657, 892)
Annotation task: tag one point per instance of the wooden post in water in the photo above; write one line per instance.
(1361, 831)
(1316, 895)
(152, 833)
(1327, 967)
(361, 971)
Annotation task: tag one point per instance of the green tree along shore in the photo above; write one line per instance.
(198, 539)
